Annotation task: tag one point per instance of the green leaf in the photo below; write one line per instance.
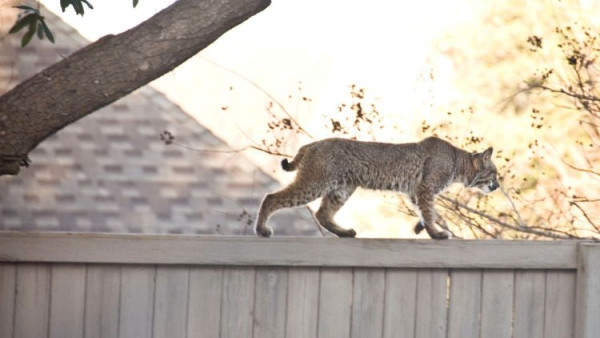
(27, 37)
(135, 3)
(64, 4)
(33, 26)
(47, 30)
(88, 4)
(40, 32)
(26, 20)
(78, 7)
(28, 9)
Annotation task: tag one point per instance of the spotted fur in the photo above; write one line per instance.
(334, 168)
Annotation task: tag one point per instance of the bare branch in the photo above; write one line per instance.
(587, 217)
(589, 171)
(543, 233)
(514, 208)
(562, 91)
(109, 69)
(262, 90)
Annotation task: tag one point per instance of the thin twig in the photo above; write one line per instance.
(230, 151)
(504, 224)
(585, 215)
(257, 86)
(514, 207)
(562, 91)
(589, 171)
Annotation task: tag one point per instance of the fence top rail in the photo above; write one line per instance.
(284, 251)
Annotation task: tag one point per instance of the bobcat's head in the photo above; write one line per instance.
(486, 175)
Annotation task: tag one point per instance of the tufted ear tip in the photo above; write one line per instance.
(487, 154)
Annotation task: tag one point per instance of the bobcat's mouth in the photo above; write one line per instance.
(489, 187)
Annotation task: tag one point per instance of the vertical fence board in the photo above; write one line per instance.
(587, 324)
(137, 301)
(302, 302)
(171, 300)
(335, 303)
(237, 303)
(367, 309)
(501, 300)
(530, 291)
(103, 287)
(431, 311)
(8, 276)
(497, 303)
(270, 302)
(67, 301)
(32, 300)
(465, 303)
(204, 309)
(560, 304)
(400, 303)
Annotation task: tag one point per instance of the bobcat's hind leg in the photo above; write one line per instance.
(292, 196)
(330, 204)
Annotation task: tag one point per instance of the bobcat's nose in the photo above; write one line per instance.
(494, 186)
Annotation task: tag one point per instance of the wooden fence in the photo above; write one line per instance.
(92, 285)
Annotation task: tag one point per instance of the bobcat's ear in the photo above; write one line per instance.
(487, 154)
(476, 159)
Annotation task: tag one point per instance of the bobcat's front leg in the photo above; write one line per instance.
(439, 221)
(425, 203)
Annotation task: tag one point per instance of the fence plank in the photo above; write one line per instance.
(283, 251)
(171, 300)
(8, 280)
(326, 297)
(530, 291)
(497, 303)
(588, 291)
(270, 302)
(367, 308)
(32, 300)
(238, 302)
(67, 301)
(103, 287)
(204, 313)
(400, 303)
(560, 304)
(465, 303)
(302, 302)
(335, 303)
(137, 301)
(431, 313)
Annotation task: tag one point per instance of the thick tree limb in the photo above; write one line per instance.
(109, 69)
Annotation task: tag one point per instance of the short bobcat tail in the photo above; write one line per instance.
(291, 166)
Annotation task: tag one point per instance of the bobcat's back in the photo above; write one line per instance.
(371, 165)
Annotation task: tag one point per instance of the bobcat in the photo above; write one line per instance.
(333, 169)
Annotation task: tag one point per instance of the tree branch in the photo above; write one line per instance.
(504, 224)
(562, 91)
(109, 69)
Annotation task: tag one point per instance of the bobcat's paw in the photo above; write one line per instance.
(265, 231)
(347, 233)
(443, 234)
(418, 227)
